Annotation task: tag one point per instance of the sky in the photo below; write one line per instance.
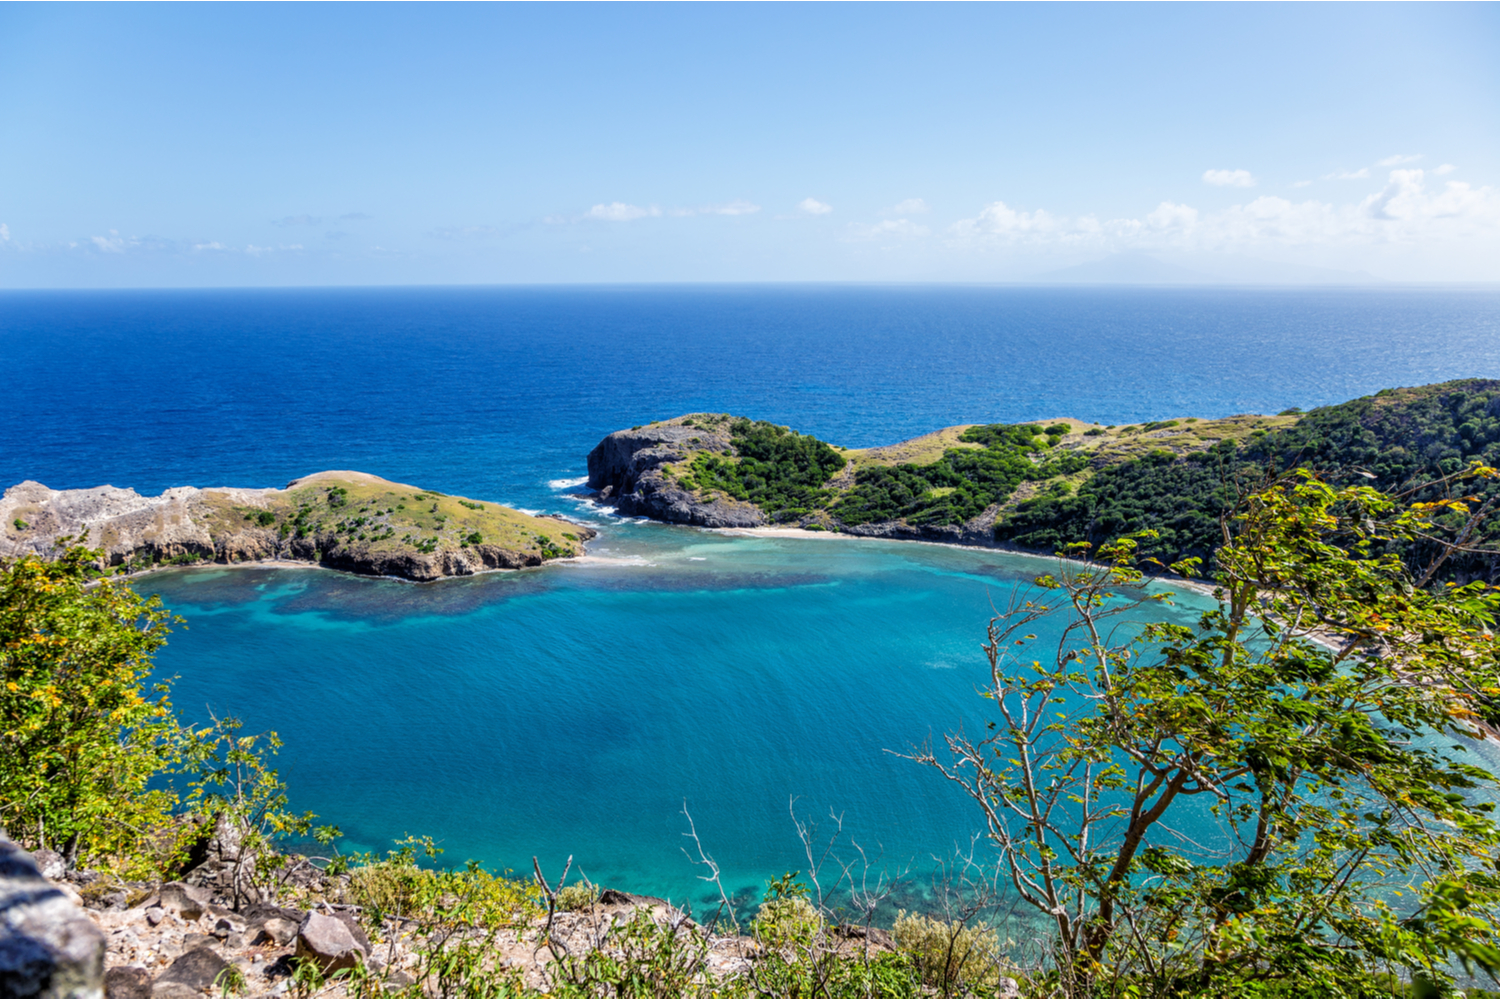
(347, 144)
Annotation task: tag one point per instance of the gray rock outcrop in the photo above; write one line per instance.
(49, 948)
(627, 470)
(196, 971)
(330, 942)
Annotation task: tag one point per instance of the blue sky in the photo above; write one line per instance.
(230, 144)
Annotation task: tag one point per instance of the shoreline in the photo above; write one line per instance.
(289, 563)
(801, 533)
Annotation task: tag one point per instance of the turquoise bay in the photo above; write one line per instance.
(573, 709)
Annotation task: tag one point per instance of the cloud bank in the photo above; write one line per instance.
(1228, 178)
(1406, 210)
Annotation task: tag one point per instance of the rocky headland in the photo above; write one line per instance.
(662, 471)
(350, 521)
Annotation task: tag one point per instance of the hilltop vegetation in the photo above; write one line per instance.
(351, 521)
(1398, 440)
(779, 470)
(1042, 486)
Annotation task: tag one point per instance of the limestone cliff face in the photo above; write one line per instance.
(628, 470)
(343, 520)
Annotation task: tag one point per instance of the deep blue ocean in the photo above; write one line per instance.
(574, 709)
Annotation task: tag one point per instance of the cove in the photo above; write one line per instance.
(573, 710)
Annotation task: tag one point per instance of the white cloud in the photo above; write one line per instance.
(903, 228)
(812, 206)
(911, 206)
(1301, 183)
(1391, 161)
(4, 233)
(260, 251)
(1228, 178)
(618, 211)
(113, 243)
(1407, 211)
(1170, 216)
(737, 207)
(209, 246)
(1446, 168)
(1362, 173)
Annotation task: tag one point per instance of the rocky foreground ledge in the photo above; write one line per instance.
(76, 934)
(350, 521)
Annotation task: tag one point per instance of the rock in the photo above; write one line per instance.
(626, 470)
(49, 948)
(275, 931)
(127, 983)
(51, 864)
(187, 901)
(328, 941)
(196, 970)
(155, 915)
(193, 941)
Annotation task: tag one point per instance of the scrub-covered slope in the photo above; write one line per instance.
(1041, 486)
(344, 520)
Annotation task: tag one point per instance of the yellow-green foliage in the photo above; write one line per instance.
(81, 732)
(382, 516)
(571, 898)
(949, 954)
(397, 886)
(787, 922)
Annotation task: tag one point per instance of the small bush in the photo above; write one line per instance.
(265, 518)
(1094, 432)
(21, 525)
(475, 539)
(951, 954)
(571, 898)
(783, 923)
(1294, 411)
(1058, 429)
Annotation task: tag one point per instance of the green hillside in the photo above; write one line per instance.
(1044, 485)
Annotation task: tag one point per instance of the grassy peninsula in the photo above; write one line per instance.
(345, 520)
(1042, 485)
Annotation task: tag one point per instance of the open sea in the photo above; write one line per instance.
(577, 709)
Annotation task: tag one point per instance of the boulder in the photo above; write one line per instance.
(51, 864)
(197, 971)
(127, 983)
(276, 932)
(187, 901)
(329, 942)
(49, 948)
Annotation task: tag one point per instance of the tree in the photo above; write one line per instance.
(79, 740)
(1275, 797)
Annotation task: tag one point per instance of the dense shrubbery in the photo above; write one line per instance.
(963, 482)
(1180, 500)
(779, 470)
(1395, 440)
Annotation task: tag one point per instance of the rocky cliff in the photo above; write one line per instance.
(631, 470)
(350, 521)
(953, 485)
